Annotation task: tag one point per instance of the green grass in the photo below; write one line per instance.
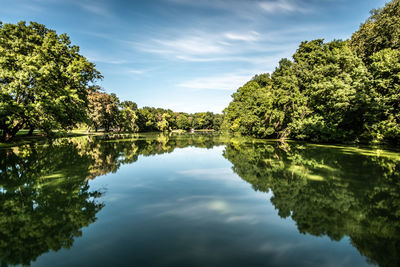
(25, 132)
(23, 138)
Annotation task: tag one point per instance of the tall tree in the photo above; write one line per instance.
(183, 122)
(380, 31)
(43, 79)
(103, 110)
(128, 116)
(335, 82)
(246, 113)
(290, 104)
(383, 116)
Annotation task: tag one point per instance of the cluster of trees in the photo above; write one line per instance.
(108, 113)
(158, 119)
(338, 91)
(46, 84)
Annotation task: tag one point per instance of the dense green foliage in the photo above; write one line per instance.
(341, 91)
(108, 113)
(380, 31)
(43, 80)
(158, 119)
(247, 113)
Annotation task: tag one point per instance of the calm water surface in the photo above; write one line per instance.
(198, 200)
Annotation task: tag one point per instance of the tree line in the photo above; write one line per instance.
(339, 91)
(46, 84)
(106, 111)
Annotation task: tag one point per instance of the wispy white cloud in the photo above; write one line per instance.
(214, 59)
(249, 219)
(97, 7)
(250, 7)
(229, 210)
(205, 47)
(138, 72)
(33, 8)
(215, 174)
(252, 36)
(108, 60)
(190, 45)
(283, 6)
(224, 45)
(222, 82)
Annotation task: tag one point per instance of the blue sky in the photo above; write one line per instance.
(189, 55)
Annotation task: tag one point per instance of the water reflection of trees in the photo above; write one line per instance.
(45, 199)
(333, 191)
(44, 202)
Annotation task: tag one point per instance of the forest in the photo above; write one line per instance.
(338, 91)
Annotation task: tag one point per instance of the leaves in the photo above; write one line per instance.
(43, 79)
(341, 91)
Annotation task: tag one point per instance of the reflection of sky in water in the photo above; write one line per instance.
(189, 208)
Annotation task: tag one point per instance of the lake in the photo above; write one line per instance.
(198, 200)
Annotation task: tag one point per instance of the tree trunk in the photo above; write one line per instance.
(31, 129)
(9, 135)
(6, 136)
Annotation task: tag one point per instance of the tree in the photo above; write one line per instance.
(380, 31)
(198, 120)
(182, 122)
(163, 124)
(377, 42)
(128, 114)
(384, 116)
(246, 114)
(289, 103)
(335, 83)
(146, 119)
(43, 79)
(217, 121)
(103, 110)
(208, 120)
(321, 96)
